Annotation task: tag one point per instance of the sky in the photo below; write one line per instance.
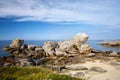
(59, 19)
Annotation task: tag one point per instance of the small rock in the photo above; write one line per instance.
(32, 47)
(7, 48)
(39, 49)
(58, 68)
(90, 55)
(98, 69)
(40, 61)
(75, 68)
(24, 46)
(26, 62)
(79, 74)
(113, 54)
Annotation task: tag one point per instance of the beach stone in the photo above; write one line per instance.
(75, 68)
(79, 74)
(16, 43)
(97, 69)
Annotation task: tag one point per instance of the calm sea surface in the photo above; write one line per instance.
(92, 43)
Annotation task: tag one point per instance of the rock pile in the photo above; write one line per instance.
(77, 45)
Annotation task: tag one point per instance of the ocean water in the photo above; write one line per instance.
(92, 43)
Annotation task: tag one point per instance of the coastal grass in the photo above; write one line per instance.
(31, 73)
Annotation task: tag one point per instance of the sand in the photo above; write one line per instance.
(113, 71)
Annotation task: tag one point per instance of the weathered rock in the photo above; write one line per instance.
(73, 46)
(113, 54)
(49, 48)
(40, 61)
(7, 48)
(79, 74)
(34, 54)
(90, 55)
(8, 64)
(85, 49)
(75, 68)
(16, 43)
(32, 47)
(57, 68)
(80, 37)
(39, 49)
(72, 50)
(24, 46)
(98, 69)
(26, 62)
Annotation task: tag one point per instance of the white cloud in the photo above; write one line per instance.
(105, 12)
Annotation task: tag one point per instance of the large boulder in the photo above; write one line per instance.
(80, 38)
(16, 43)
(49, 48)
(85, 49)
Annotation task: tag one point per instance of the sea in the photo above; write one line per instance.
(93, 43)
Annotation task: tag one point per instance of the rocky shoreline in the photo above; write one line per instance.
(111, 44)
(59, 56)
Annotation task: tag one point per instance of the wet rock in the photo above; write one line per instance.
(97, 69)
(16, 43)
(75, 68)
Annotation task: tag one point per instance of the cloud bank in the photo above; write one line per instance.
(104, 12)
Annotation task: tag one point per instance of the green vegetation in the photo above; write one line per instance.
(31, 73)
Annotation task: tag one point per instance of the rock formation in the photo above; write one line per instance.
(16, 43)
(74, 46)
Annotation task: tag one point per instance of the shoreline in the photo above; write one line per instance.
(63, 56)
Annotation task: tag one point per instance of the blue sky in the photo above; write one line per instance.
(59, 20)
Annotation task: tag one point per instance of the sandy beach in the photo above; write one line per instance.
(112, 70)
